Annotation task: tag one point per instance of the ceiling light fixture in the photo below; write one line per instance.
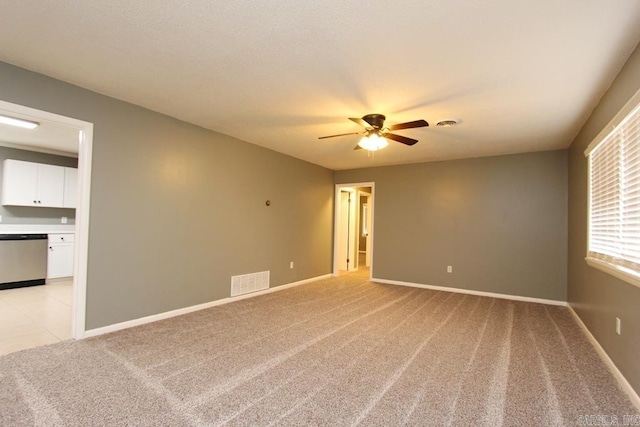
(27, 124)
(373, 142)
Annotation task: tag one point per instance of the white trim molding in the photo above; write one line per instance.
(633, 396)
(471, 292)
(614, 262)
(615, 121)
(180, 311)
(81, 254)
(622, 273)
(336, 219)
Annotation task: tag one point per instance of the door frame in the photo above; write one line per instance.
(81, 250)
(348, 218)
(361, 219)
(336, 220)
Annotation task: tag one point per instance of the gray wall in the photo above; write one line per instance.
(30, 215)
(597, 297)
(499, 221)
(176, 210)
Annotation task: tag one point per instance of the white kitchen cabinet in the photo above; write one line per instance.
(50, 188)
(19, 183)
(70, 199)
(36, 184)
(60, 259)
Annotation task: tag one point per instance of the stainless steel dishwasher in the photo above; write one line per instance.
(23, 260)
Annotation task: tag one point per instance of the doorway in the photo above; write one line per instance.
(85, 146)
(353, 230)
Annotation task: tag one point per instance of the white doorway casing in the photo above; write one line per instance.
(347, 248)
(340, 238)
(85, 148)
(364, 215)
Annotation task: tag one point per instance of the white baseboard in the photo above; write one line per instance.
(178, 312)
(470, 292)
(59, 280)
(279, 288)
(633, 396)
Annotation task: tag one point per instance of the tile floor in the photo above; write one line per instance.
(35, 316)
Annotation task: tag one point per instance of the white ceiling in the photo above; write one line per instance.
(521, 75)
(49, 136)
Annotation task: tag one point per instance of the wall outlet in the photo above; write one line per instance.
(291, 265)
(618, 326)
(449, 269)
(63, 220)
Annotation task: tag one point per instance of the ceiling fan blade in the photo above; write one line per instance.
(399, 138)
(409, 125)
(357, 147)
(360, 121)
(341, 134)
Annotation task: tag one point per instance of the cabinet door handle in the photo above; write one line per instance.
(50, 247)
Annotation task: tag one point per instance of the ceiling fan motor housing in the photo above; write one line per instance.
(375, 120)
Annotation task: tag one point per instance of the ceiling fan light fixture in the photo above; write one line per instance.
(376, 135)
(373, 142)
(12, 121)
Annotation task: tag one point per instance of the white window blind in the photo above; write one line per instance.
(614, 196)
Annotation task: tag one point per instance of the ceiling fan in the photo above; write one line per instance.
(375, 133)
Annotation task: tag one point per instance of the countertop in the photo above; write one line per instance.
(36, 228)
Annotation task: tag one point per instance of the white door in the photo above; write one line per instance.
(347, 248)
(343, 226)
(364, 226)
(367, 219)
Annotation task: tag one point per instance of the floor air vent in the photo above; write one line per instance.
(247, 283)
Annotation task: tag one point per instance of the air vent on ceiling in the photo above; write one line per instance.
(448, 122)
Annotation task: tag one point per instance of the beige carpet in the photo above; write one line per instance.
(341, 351)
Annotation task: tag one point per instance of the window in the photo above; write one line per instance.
(614, 196)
